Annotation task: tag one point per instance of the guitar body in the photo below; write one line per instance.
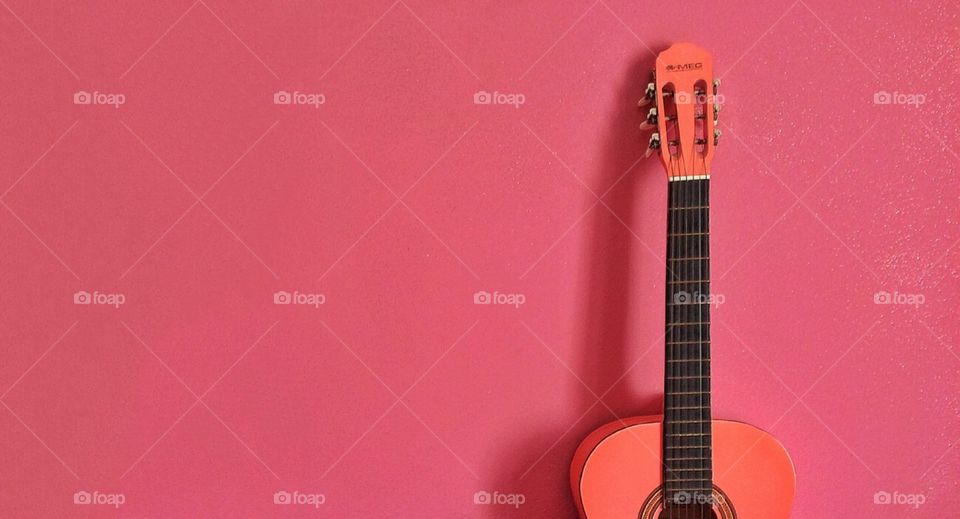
(618, 469)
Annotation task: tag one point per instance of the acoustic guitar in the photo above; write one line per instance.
(683, 464)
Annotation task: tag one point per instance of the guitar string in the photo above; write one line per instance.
(703, 274)
(671, 317)
(682, 311)
(701, 227)
(674, 275)
(700, 328)
(683, 385)
(677, 337)
(677, 313)
(688, 229)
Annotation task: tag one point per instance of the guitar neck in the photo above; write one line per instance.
(687, 437)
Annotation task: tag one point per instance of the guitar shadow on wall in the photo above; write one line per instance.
(609, 266)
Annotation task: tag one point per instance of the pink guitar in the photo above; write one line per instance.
(684, 464)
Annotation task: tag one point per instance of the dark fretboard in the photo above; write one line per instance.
(687, 475)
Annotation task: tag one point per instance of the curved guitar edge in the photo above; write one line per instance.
(587, 446)
(618, 466)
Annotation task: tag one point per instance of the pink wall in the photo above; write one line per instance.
(398, 198)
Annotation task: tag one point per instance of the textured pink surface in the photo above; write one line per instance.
(399, 198)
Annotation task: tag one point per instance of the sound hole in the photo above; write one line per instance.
(688, 512)
(718, 506)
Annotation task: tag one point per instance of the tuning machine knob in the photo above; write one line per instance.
(651, 121)
(654, 144)
(716, 136)
(649, 94)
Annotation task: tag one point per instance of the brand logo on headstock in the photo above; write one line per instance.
(684, 67)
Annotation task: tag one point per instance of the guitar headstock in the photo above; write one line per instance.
(685, 108)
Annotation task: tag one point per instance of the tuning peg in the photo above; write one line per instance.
(716, 136)
(651, 90)
(648, 95)
(654, 144)
(716, 112)
(651, 121)
(716, 85)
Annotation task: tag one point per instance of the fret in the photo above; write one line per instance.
(674, 389)
(685, 435)
(689, 324)
(673, 396)
(692, 268)
(688, 423)
(690, 207)
(686, 332)
(677, 420)
(692, 424)
(677, 414)
(680, 331)
(705, 342)
(677, 361)
(701, 368)
(684, 281)
(682, 245)
(697, 239)
(677, 386)
(677, 397)
(688, 347)
(687, 381)
(691, 463)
